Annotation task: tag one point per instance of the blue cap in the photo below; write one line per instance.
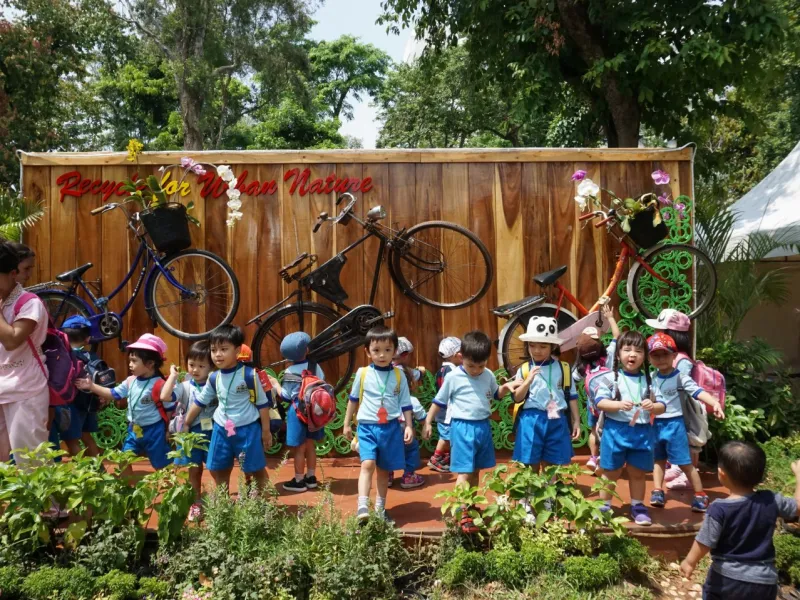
(295, 345)
(76, 322)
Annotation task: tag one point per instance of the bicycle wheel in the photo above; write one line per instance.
(513, 351)
(313, 318)
(691, 276)
(212, 301)
(441, 264)
(61, 306)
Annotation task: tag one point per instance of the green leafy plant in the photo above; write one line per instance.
(630, 553)
(52, 583)
(10, 582)
(151, 588)
(591, 573)
(464, 567)
(117, 585)
(17, 213)
(781, 452)
(787, 556)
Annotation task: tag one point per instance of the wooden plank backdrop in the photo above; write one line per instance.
(520, 203)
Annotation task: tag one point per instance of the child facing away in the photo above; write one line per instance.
(241, 419)
(198, 367)
(450, 353)
(294, 348)
(671, 438)
(411, 479)
(148, 415)
(627, 437)
(592, 363)
(467, 395)
(738, 530)
(380, 392)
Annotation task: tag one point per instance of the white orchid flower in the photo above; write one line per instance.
(234, 204)
(587, 187)
(581, 200)
(225, 173)
(233, 193)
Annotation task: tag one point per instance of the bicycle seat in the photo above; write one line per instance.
(75, 274)
(550, 277)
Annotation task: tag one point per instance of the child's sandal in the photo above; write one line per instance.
(468, 525)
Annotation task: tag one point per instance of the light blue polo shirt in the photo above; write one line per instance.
(290, 389)
(141, 410)
(631, 387)
(467, 397)
(381, 385)
(228, 386)
(668, 389)
(549, 378)
(187, 392)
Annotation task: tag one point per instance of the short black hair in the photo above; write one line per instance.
(476, 346)
(683, 341)
(146, 356)
(231, 334)
(23, 251)
(743, 462)
(200, 351)
(9, 258)
(78, 335)
(379, 333)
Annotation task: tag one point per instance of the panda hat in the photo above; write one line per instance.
(543, 330)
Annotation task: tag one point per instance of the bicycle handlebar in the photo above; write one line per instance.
(323, 216)
(101, 209)
(604, 221)
(590, 215)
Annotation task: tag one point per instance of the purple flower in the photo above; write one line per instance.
(187, 163)
(681, 208)
(198, 169)
(664, 199)
(579, 175)
(660, 177)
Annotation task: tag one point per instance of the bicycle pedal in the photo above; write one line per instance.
(387, 315)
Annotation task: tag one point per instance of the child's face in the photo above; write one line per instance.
(662, 360)
(472, 367)
(631, 358)
(539, 351)
(224, 355)
(381, 352)
(25, 270)
(402, 359)
(198, 369)
(140, 368)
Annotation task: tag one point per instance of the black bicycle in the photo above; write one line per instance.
(437, 263)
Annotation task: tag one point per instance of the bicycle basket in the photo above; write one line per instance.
(643, 233)
(167, 227)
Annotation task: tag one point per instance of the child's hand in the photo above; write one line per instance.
(796, 468)
(266, 439)
(422, 370)
(687, 569)
(274, 382)
(576, 430)
(347, 431)
(625, 405)
(84, 384)
(607, 311)
(532, 374)
(427, 430)
(718, 412)
(174, 371)
(648, 404)
(408, 434)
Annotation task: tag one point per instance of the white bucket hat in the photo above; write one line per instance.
(543, 330)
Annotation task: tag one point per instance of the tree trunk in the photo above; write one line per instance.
(191, 107)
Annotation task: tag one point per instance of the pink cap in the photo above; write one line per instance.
(661, 341)
(670, 319)
(148, 341)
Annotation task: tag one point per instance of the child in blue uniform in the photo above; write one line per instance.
(241, 419)
(294, 348)
(671, 439)
(198, 366)
(449, 352)
(628, 433)
(467, 395)
(411, 479)
(380, 391)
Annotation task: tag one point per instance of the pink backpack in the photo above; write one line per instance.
(711, 380)
(62, 366)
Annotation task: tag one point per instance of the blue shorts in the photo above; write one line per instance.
(197, 456)
(81, 420)
(472, 447)
(296, 432)
(412, 456)
(153, 444)
(542, 439)
(383, 443)
(625, 444)
(671, 441)
(444, 431)
(245, 445)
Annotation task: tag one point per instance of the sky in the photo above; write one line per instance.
(357, 17)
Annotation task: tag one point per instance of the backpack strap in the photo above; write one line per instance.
(23, 299)
(156, 395)
(362, 375)
(566, 379)
(250, 382)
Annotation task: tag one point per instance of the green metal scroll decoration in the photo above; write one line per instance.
(113, 424)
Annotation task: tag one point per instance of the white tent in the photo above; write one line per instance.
(773, 206)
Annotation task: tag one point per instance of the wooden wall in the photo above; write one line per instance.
(519, 202)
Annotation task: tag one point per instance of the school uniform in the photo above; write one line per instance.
(542, 434)
(380, 439)
(229, 388)
(594, 382)
(186, 393)
(441, 426)
(623, 443)
(147, 432)
(296, 431)
(467, 400)
(671, 439)
(411, 450)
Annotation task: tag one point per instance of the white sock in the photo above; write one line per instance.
(363, 501)
(310, 472)
(635, 502)
(299, 477)
(380, 503)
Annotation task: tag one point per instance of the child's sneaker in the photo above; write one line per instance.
(606, 508)
(591, 464)
(195, 512)
(391, 478)
(679, 483)
(311, 482)
(673, 472)
(640, 515)
(700, 503)
(657, 498)
(437, 463)
(362, 514)
(384, 514)
(295, 486)
(411, 480)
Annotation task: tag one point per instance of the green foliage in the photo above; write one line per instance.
(781, 452)
(591, 573)
(630, 553)
(10, 582)
(508, 567)
(787, 556)
(151, 588)
(464, 567)
(17, 213)
(117, 585)
(52, 583)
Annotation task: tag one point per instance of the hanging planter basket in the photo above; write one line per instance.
(643, 232)
(167, 227)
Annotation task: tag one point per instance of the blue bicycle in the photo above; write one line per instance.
(188, 293)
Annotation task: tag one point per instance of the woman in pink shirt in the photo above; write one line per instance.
(24, 395)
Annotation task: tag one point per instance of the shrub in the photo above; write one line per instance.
(629, 552)
(787, 556)
(62, 584)
(151, 588)
(10, 582)
(538, 558)
(506, 566)
(463, 568)
(781, 452)
(108, 548)
(118, 585)
(591, 573)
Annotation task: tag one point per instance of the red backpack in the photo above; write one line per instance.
(316, 401)
(711, 380)
(62, 366)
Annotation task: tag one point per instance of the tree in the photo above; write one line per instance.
(291, 126)
(343, 68)
(634, 63)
